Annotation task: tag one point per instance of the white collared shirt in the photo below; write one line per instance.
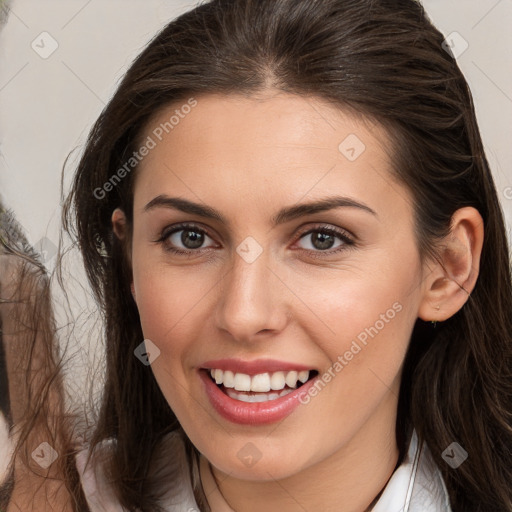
(415, 486)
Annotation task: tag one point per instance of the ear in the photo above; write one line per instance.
(450, 280)
(119, 223)
(119, 226)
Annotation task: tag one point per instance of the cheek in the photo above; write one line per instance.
(356, 303)
(369, 327)
(168, 306)
(167, 298)
(362, 321)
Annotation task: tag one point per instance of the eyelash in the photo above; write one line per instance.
(348, 242)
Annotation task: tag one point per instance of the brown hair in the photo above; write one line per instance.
(33, 401)
(385, 60)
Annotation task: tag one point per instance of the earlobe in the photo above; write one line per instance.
(453, 277)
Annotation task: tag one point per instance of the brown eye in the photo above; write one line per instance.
(184, 239)
(326, 240)
(321, 240)
(189, 238)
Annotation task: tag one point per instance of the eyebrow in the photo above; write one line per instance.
(286, 214)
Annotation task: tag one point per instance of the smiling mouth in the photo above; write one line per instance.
(262, 387)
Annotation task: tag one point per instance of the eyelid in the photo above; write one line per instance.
(341, 232)
(168, 230)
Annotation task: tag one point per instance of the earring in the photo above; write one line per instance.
(434, 322)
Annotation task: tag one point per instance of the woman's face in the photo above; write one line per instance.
(270, 285)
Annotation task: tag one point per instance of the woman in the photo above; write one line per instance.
(322, 163)
(32, 396)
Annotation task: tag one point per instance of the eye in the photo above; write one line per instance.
(184, 239)
(322, 239)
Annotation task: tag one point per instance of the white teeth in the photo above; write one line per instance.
(277, 381)
(256, 398)
(242, 382)
(228, 379)
(217, 376)
(291, 379)
(303, 376)
(260, 383)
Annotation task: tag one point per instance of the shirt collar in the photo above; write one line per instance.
(416, 485)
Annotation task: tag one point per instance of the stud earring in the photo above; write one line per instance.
(434, 322)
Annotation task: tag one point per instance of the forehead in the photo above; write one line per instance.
(257, 150)
(267, 118)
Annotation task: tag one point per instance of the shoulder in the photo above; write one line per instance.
(169, 477)
(98, 493)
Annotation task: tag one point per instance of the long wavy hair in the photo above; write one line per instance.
(32, 390)
(385, 60)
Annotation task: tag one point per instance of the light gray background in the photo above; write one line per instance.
(48, 105)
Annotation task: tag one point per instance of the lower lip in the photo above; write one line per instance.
(253, 413)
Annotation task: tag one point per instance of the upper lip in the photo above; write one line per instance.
(253, 367)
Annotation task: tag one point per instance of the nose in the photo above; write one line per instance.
(252, 302)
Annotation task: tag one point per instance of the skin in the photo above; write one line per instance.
(248, 158)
